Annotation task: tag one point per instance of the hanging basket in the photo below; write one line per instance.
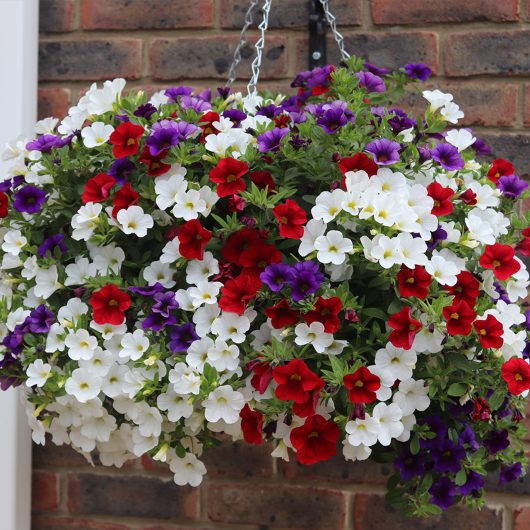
(322, 272)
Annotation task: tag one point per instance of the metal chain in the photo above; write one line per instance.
(242, 42)
(332, 21)
(256, 63)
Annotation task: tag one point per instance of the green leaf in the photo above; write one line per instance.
(497, 399)
(457, 389)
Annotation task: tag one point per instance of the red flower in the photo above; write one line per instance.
(238, 242)
(125, 139)
(413, 282)
(500, 258)
(282, 315)
(316, 440)
(282, 121)
(258, 256)
(155, 166)
(326, 311)
(516, 373)
(124, 198)
(236, 293)
(292, 219)
(404, 329)
(490, 332)
(357, 162)
(3, 204)
(469, 197)
(109, 305)
(206, 124)
(262, 179)
(251, 425)
(459, 318)
(295, 381)
(481, 410)
(236, 204)
(303, 410)
(193, 238)
(466, 288)
(362, 385)
(442, 199)
(500, 168)
(97, 189)
(262, 376)
(227, 175)
(523, 247)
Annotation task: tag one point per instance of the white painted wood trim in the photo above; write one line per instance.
(19, 21)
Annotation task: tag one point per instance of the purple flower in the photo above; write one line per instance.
(157, 321)
(512, 186)
(149, 290)
(467, 437)
(425, 154)
(205, 95)
(443, 493)
(481, 148)
(298, 116)
(235, 115)
(377, 70)
(277, 275)
(182, 337)
(174, 92)
(224, 91)
(270, 141)
(438, 235)
(400, 121)
(384, 151)
(448, 157)
(165, 303)
(6, 185)
(307, 279)
(50, 244)
(197, 104)
(527, 319)
(503, 295)
(12, 369)
(168, 133)
(510, 473)
(269, 111)
(29, 199)
(370, 81)
(496, 441)
(46, 143)
(418, 71)
(121, 169)
(40, 320)
(447, 456)
(410, 465)
(145, 111)
(13, 342)
(474, 483)
(298, 142)
(333, 116)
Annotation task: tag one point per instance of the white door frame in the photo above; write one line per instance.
(19, 22)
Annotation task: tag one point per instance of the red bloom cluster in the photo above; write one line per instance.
(109, 305)
(404, 328)
(97, 189)
(523, 246)
(193, 238)
(362, 385)
(125, 139)
(357, 162)
(489, 332)
(126, 196)
(227, 174)
(442, 199)
(326, 311)
(238, 292)
(251, 425)
(206, 124)
(315, 440)
(501, 259)
(500, 168)
(3, 204)
(282, 315)
(414, 282)
(292, 219)
(459, 318)
(466, 288)
(516, 373)
(155, 166)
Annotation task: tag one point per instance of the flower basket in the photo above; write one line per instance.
(323, 272)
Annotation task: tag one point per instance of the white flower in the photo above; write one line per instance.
(411, 396)
(205, 293)
(46, 282)
(159, 272)
(185, 381)
(224, 403)
(313, 334)
(134, 220)
(16, 317)
(478, 229)
(169, 188)
(188, 205)
(142, 444)
(97, 101)
(486, 196)
(209, 197)
(332, 247)
(184, 300)
(437, 98)
(353, 453)
(73, 122)
(388, 418)
(197, 353)
(312, 230)
(362, 432)
(83, 385)
(38, 373)
(96, 134)
(148, 419)
(200, 270)
(230, 326)
(187, 470)
(385, 250)
(460, 138)
(79, 272)
(395, 362)
(112, 383)
(176, 405)
(85, 221)
(80, 345)
(328, 205)
(204, 317)
(134, 345)
(100, 362)
(158, 99)
(107, 258)
(99, 427)
(14, 242)
(385, 210)
(357, 180)
(442, 270)
(413, 250)
(170, 253)
(451, 112)
(46, 125)
(223, 357)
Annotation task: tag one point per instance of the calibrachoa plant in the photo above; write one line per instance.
(324, 272)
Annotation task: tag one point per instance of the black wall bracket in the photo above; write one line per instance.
(317, 34)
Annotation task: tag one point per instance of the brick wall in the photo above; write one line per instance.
(478, 50)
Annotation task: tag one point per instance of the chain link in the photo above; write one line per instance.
(242, 42)
(332, 21)
(256, 63)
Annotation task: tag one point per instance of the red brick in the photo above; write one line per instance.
(176, 527)
(371, 512)
(146, 14)
(131, 496)
(56, 16)
(390, 49)
(210, 57)
(521, 519)
(291, 14)
(526, 113)
(44, 491)
(487, 52)
(432, 11)
(53, 102)
(67, 523)
(89, 59)
(50, 455)
(278, 505)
